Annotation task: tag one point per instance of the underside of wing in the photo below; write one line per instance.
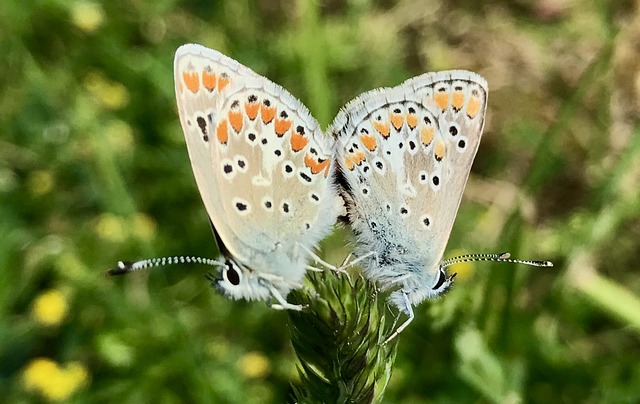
(404, 155)
(273, 167)
(262, 164)
(201, 75)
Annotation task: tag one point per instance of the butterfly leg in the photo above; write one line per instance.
(282, 302)
(346, 259)
(313, 269)
(347, 264)
(320, 261)
(407, 309)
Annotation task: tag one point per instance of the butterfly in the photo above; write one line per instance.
(404, 155)
(264, 171)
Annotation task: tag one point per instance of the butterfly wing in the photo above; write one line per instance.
(404, 156)
(200, 76)
(460, 100)
(260, 161)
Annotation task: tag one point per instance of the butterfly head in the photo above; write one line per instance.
(236, 281)
(418, 288)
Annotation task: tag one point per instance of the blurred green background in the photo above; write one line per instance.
(93, 169)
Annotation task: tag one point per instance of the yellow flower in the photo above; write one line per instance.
(38, 372)
(87, 16)
(254, 365)
(44, 376)
(464, 270)
(50, 308)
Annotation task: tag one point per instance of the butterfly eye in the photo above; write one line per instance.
(231, 275)
(442, 278)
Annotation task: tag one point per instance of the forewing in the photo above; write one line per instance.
(460, 97)
(273, 166)
(200, 76)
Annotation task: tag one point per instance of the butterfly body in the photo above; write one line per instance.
(263, 168)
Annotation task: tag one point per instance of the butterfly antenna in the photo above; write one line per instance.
(124, 267)
(501, 257)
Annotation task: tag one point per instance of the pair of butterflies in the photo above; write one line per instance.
(274, 184)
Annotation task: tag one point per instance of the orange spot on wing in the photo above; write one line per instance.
(348, 162)
(222, 132)
(457, 100)
(412, 120)
(223, 81)
(252, 109)
(354, 159)
(369, 141)
(316, 166)
(235, 119)
(267, 113)
(382, 127)
(397, 120)
(439, 150)
(298, 142)
(282, 126)
(426, 135)
(442, 99)
(191, 81)
(358, 157)
(209, 80)
(473, 107)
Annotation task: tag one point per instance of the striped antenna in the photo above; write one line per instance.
(501, 257)
(124, 267)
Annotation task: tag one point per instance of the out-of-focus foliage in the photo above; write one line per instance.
(93, 169)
